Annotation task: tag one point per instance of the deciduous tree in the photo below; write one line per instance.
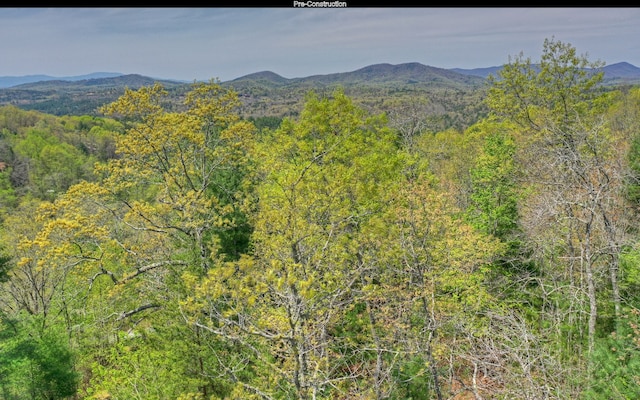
(570, 156)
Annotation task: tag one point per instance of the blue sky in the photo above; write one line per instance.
(226, 43)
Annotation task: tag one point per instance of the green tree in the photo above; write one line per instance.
(8, 195)
(433, 288)
(625, 118)
(161, 208)
(321, 185)
(616, 361)
(493, 207)
(568, 156)
(35, 364)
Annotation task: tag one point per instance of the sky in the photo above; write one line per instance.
(226, 43)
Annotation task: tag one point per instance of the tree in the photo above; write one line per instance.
(493, 207)
(615, 358)
(434, 286)
(160, 208)
(35, 364)
(625, 118)
(321, 184)
(568, 156)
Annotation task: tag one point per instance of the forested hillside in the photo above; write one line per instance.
(163, 251)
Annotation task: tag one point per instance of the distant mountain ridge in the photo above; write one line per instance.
(408, 73)
(131, 80)
(10, 81)
(621, 70)
(455, 94)
(376, 73)
(80, 96)
(264, 76)
(617, 71)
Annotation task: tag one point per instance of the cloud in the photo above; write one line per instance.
(201, 43)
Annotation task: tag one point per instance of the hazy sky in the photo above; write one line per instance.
(226, 43)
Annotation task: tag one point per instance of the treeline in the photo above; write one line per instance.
(188, 253)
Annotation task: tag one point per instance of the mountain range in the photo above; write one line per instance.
(370, 74)
(454, 96)
(10, 81)
(613, 72)
(401, 74)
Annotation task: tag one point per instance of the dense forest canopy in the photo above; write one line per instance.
(186, 252)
